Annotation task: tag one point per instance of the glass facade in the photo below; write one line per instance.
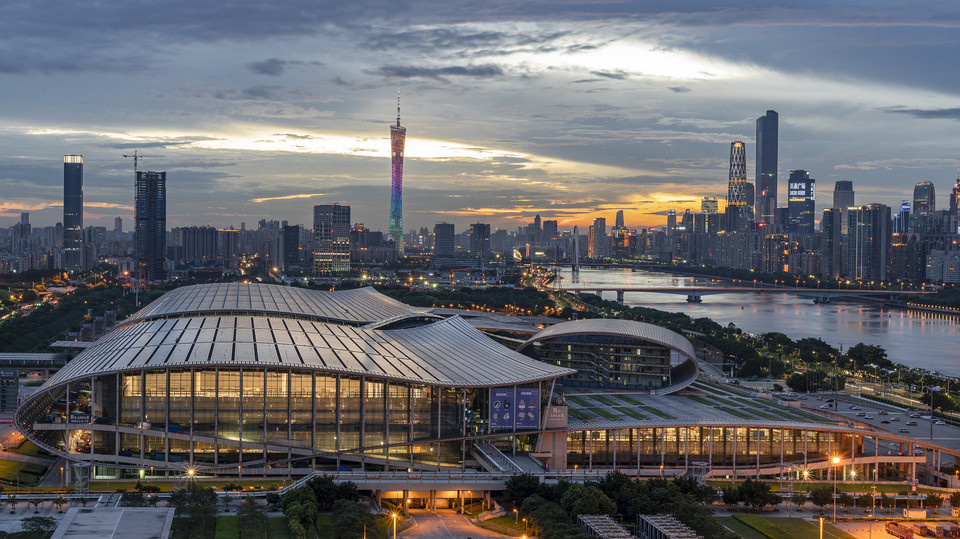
(607, 361)
(246, 416)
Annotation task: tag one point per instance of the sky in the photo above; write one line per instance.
(567, 109)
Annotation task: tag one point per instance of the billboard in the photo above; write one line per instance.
(501, 408)
(528, 408)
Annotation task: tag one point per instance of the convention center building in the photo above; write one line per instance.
(236, 379)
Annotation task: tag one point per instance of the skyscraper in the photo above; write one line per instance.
(331, 233)
(955, 196)
(843, 198)
(444, 243)
(767, 141)
(150, 218)
(832, 242)
(924, 199)
(800, 202)
(398, 137)
(868, 242)
(73, 212)
(736, 183)
(619, 220)
(480, 242)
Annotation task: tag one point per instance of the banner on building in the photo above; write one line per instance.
(528, 408)
(502, 413)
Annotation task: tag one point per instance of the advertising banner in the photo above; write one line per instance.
(501, 408)
(528, 408)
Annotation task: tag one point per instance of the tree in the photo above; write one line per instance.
(821, 496)
(35, 502)
(84, 500)
(38, 526)
(520, 487)
(731, 496)
(865, 354)
(253, 518)
(845, 499)
(933, 501)
(587, 500)
(12, 499)
(198, 505)
(955, 499)
(59, 502)
(227, 500)
(133, 499)
(757, 494)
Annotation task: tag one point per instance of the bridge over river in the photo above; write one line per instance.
(695, 294)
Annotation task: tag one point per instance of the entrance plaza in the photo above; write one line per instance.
(264, 381)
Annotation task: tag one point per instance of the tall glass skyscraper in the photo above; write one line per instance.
(398, 137)
(767, 141)
(843, 198)
(800, 202)
(924, 199)
(73, 212)
(151, 225)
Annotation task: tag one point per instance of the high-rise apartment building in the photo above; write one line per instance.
(150, 241)
(924, 200)
(73, 212)
(118, 225)
(331, 234)
(480, 241)
(398, 137)
(597, 238)
(868, 242)
(800, 202)
(843, 198)
(292, 252)
(832, 243)
(444, 239)
(767, 141)
(901, 221)
(550, 230)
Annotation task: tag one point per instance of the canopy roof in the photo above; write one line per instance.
(356, 306)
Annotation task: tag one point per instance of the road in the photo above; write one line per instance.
(445, 524)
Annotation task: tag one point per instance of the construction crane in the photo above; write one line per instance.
(136, 158)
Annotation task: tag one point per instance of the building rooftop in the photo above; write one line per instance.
(449, 352)
(357, 306)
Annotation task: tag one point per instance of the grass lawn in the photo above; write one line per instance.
(577, 414)
(30, 449)
(576, 400)
(604, 413)
(790, 527)
(628, 400)
(29, 473)
(507, 521)
(740, 529)
(228, 527)
(603, 400)
(325, 525)
(277, 528)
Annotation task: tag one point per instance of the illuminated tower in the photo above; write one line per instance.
(767, 139)
(955, 196)
(737, 185)
(398, 136)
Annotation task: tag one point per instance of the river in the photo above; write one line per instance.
(924, 340)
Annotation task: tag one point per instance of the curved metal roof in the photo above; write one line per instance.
(449, 352)
(619, 328)
(356, 306)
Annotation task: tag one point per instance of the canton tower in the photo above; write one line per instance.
(398, 136)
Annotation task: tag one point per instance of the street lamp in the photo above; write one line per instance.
(516, 516)
(394, 516)
(836, 460)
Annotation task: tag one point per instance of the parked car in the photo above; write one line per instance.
(904, 429)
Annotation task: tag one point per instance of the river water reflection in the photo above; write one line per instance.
(916, 339)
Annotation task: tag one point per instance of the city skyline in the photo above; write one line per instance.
(570, 113)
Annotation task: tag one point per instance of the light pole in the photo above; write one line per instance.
(932, 389)
(394, 515)
(836, 460)
(516, 517)
(821, 527)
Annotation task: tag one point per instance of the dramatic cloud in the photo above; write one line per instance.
(437, 73)
(271, 66)
(568, 109)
